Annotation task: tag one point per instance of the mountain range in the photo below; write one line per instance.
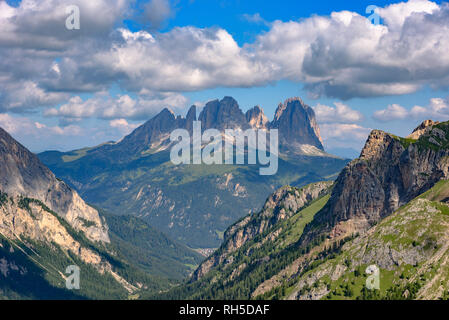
(194, 204)
(319, 229)
(45, 227)
(388, 210)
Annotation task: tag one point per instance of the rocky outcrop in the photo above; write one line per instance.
(221, 115)
(411, 245)
(280, 206)
(298, 129)
(256, 118)
(151, 134)
(297, 125)
(190, 118)
(390, 172)
(25, 218)
(22, 174)
(424, 128)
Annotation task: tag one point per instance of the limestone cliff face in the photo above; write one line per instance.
(425, 127)
(390, 172)
(296, 122)
(32, 220)
(149, 135)
(22, 174)
(297, 125)
(221, 115)
(256, 118)
(411, 244)
(280, 206)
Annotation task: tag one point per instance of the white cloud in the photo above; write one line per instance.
(156, 12)
(344, 131)
(340, 114)
(19, 96)
(123, 126)
(392, 112)
(255, 18)
(437, 109)
(341, 55)
(344, 135)
(339, 128)
(39, 137)
(26, 127)
(103, 106)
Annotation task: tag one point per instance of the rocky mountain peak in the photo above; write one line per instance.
(224, 114)
(23, 175)
(378, 141)
(190, 118)
(422, 129)
(298, 129)
(280, 206)
(191, 114)
(256, 118)
(297, 124)
(390, 172)
(164, 121)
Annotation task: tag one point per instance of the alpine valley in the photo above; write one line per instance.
(313, 231)
(195, 204)
(46, 227)
(388, 209)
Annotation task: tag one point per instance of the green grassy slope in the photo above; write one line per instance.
(255, 262)
(137, 242)
(410, 247)
(192, 204)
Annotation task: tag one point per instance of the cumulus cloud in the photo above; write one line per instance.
(344, 131)
(27, 127)
(340, 114)
(39, 137)
(19, 96)
(342, 55)
(344, 135)
(392, 112)
(123, 126)
(156, 12)
(339, 126)
(103, 106)
(40, 24)
(437, 109)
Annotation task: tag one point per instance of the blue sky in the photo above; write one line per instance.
(81, 89)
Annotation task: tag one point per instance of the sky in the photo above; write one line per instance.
(359, 68)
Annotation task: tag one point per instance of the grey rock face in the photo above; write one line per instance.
(388, 174)
(190, 118)
(423, 128)
(221, 115)
(295, 121)
(256, 118)
(281, 205)
(22, 174)
(144, 136)
(297, 124)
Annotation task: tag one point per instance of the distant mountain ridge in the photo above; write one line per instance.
(296, 122)
(194, 204)
(388, 210)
